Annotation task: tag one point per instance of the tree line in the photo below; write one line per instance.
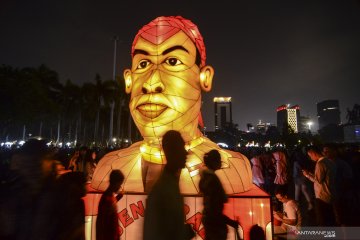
(33, 102)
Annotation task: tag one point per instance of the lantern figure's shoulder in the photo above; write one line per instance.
(128, 160)
(235, 173)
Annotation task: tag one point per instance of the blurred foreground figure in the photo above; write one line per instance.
(257, 170)
(70, 209)
(300, 162)
(107, 222)
(343, 183)
(257, 233)
(215, 222)
(28, 205)
(164, 213)
(166, 79)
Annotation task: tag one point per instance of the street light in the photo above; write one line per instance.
(309, 124)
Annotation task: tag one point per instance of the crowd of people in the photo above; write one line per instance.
(310, 186)
(42, 190)
(43, 184)
(40, 198)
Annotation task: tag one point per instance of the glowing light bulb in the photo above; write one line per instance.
(202, 76)
(157, 154)
(128, 81)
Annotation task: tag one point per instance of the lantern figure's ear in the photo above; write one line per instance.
(128, 80)
(206, 77)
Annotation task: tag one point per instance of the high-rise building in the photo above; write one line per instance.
(262, 127)
(328, 113)
(223, 112)
(288, 116)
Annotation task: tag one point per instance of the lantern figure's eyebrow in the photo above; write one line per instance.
(178, 47)
(140, 51)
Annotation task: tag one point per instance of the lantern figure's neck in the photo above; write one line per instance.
(154, 153)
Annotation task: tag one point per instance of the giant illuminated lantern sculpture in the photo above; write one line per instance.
(166, 79)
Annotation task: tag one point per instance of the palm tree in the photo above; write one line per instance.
(33, 97)
(70, 101)
(99, 96)
(117, 98)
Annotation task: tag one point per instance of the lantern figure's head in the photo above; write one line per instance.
(163, 28)
(167, 76)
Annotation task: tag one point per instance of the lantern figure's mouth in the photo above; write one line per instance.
(151, 110)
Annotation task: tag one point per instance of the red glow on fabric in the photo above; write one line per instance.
(201, 121)
(162, 28)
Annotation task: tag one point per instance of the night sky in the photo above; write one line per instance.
(265, 53)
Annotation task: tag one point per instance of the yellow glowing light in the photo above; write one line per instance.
(194, 173)
(128, 81)
(176, 104)
(156, 98)
(88, 223)
(222, 99)
(202, 76)
(151, 154)
(194, 143)
(157, 154)
(250, 213)
(261, 205)
(192, 161)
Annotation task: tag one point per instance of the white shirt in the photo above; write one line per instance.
(292, 211)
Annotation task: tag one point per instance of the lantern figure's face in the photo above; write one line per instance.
(164, 83)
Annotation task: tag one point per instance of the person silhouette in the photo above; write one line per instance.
(107, 226)
(213, 219)
(164, 213)
(256, 233)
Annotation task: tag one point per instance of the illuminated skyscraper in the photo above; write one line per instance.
(223, 112)
(288, 116)
(328, 113)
